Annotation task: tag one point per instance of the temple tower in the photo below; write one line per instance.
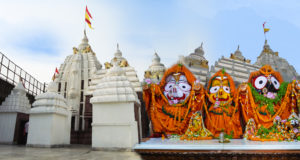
(196, 63)
(74, 77)
(268, 56)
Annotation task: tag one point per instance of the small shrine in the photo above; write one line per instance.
(50, 120)
(14, 116)
(116, 112)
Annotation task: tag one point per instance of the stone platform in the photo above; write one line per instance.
(156, 148)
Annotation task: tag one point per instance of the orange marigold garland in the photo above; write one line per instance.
(172, 118)
(221, 115)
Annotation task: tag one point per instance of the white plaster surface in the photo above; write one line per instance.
(7, 126)
(50, 120)
(48, 130)
(114, 124)
(235, 144)
(17, 101)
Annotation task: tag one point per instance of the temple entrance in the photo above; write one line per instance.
(20, 136)
(83, 135)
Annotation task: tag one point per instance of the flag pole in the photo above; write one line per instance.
(84, 19)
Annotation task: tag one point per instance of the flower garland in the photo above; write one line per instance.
(269, 102)
(173, 116)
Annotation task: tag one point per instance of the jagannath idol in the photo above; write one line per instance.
(265, 99)
(171, 103)
(221, 113)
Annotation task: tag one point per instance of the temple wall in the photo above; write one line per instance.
(7, 126)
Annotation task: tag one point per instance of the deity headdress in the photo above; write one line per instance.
(177, 69)
(266, 70)
(222, 74)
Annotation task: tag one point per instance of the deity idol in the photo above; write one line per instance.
(171, 103)
(266, 96)
(221, 114)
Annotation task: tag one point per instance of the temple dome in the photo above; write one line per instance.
(198, 55)
(237, 55)
(199, 50)
(114, 87)
(156, 70)
(118, 57)
(50, 102)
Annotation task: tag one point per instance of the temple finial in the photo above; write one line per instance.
(118, 46)
(201, 45)
(238, 48)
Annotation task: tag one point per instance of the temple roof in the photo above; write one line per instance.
(17, 101)
(198, 54)
(268, 56)
(114, 87)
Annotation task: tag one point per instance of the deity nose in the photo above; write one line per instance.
(174, 90)
(221, 92)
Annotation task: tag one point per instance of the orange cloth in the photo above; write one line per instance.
(226, 117)
(168, 118)
(251, 109)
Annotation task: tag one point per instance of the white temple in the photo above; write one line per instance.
(156, 70)
(240, 68)
(197, 64)
(74, 77)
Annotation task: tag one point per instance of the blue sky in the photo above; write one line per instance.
(38, 35)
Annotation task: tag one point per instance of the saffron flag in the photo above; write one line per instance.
(88, 17)
(265, 29)
(53, 77)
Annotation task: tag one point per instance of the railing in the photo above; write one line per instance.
(12, 73)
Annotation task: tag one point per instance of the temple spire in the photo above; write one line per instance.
(118, 52)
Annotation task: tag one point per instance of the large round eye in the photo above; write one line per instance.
(169, 86)
(226, 89)
(260, 82)
(214, 89)
(185, 86)
(275, 82)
